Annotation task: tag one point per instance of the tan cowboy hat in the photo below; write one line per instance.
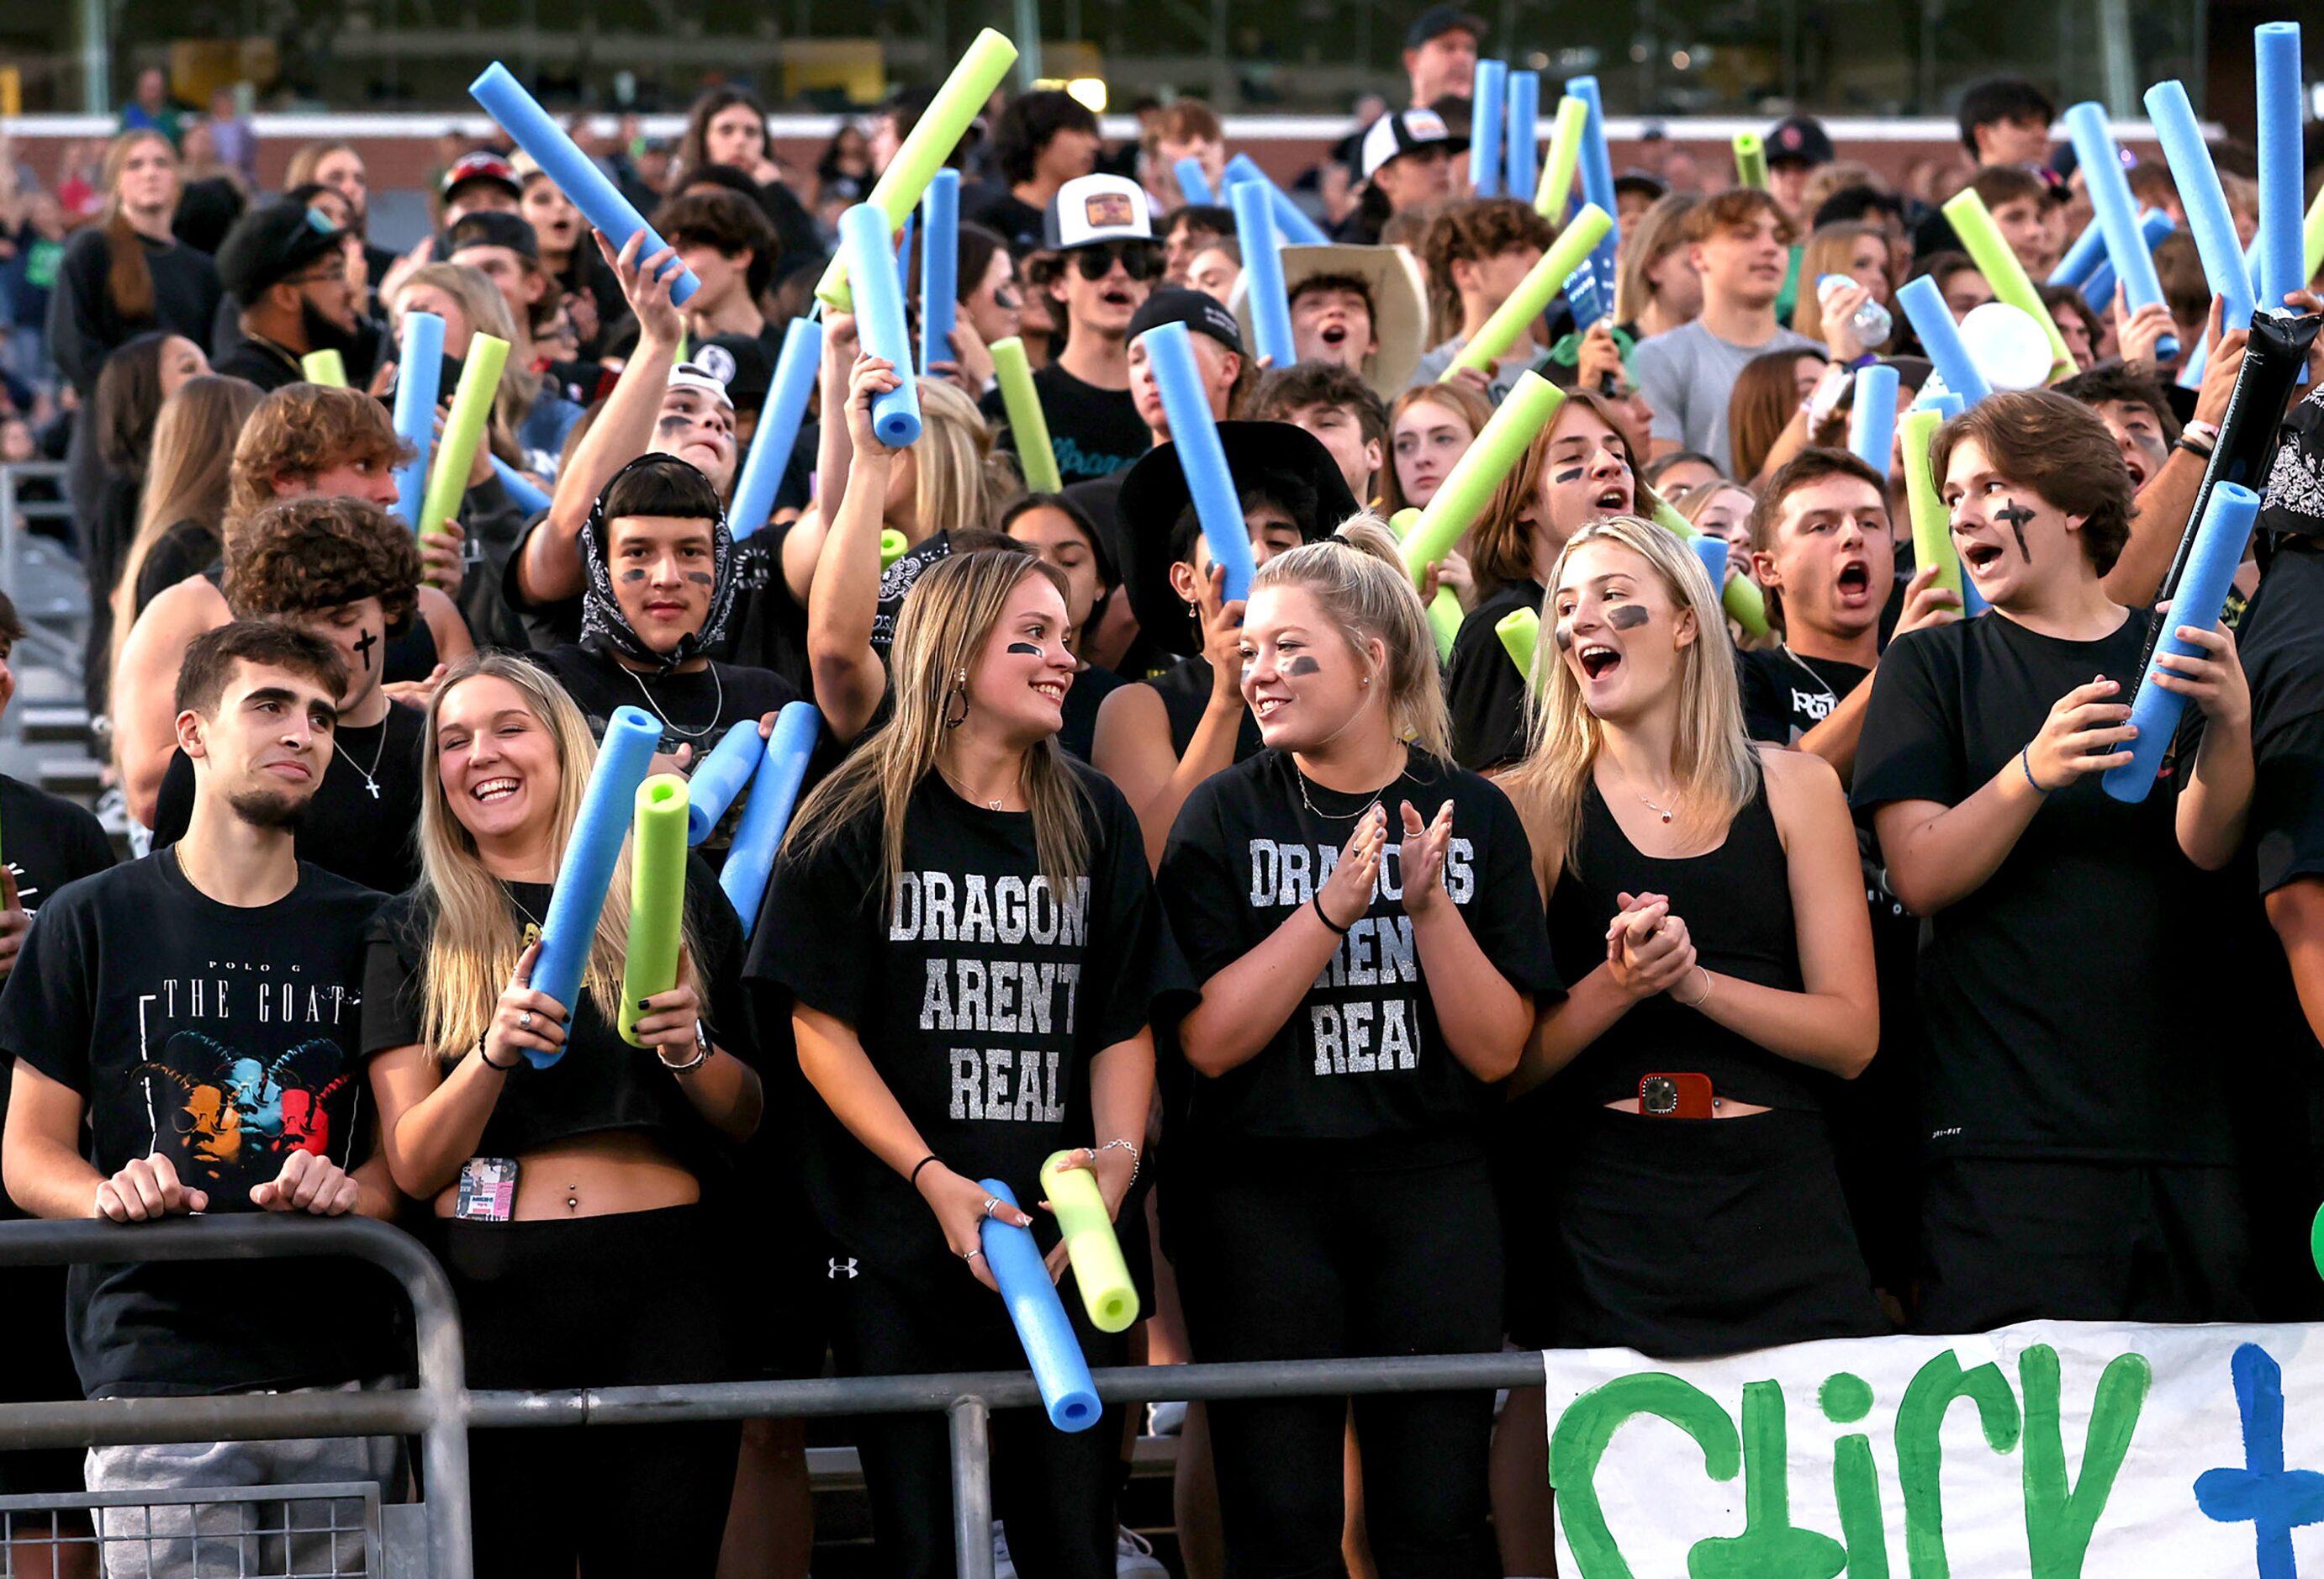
(1399, 304)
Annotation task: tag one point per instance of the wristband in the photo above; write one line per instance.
(923, 1162)
(2025, 762)
(1318, 900)
(487, 1058)
(2206, 434)
(2200, 451)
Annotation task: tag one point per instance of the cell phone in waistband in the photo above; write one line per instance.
(1675, 1097)
(487, 1190)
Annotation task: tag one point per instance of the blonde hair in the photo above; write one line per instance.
(947, 618)
(187, 477)
(1831, 250)
(472, 949)
(487, 312)
(1713, 757)
(1662, 231)
(1358, 577)
(961, 479)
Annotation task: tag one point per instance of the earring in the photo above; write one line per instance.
(959, 693)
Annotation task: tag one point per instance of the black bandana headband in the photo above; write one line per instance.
(605, 628)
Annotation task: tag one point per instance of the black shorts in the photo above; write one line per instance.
(777, 1270)
(39, 1370)
(1683, 1237)
(2006, 1239)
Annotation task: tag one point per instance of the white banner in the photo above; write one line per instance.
(2052, 1449)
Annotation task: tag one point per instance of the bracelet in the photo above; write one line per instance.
(914, 1179)
(701, 1054)
(1118, 1144)
(2198, 450)
(2203, 436)
(1699, 1003)
(2026, 763)
(1318, 900)
(487, 1058)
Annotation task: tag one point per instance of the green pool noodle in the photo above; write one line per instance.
(1027, 423)
(464, 430)
(1099, 1270)
(1745, 603)
(1533, 293)
(1521, 634)
(1750, 161)
(1983, 241)
(1932, 527)
(1401, 522)
(938, 133)
(325, 366)
(1461, 497)
(2316, 1233)
(1556, 186)
(2311, 230)
(893, 546)
(657, 897)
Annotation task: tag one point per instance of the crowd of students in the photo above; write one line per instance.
(1691, 992)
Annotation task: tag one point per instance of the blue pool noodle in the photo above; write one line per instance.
(418, 384)
(1711, 549)
(1487, 108)
(939, 266)
(904, 260)
(1521, 158)
(2118, 211)
(1597, 186)
(1193, 185)
(879, 320)
(2199, 194)
(2087, 254)
(1052, 1352)
(778, 426)
(719, 777)
(2203, 593)
(1201, 456)
(601, 203)
(2154, 224)
(1291, 222)
(624, 757)
(1925, 309)
(1262, 267)
(2282, 193)
(519, 488)
(774, 793)
(1872, 418)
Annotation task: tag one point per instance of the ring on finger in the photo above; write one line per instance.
(991, 1204)
(524, 1020)
(970, 1255)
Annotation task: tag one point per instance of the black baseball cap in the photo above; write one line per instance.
(267, 245)
(1800, 140)
(1201, 312)
(739, 363)
(483, 165)
(492, 227)
(1439, 20)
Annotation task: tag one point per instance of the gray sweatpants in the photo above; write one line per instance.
(193, 1538)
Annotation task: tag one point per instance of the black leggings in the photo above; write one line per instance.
(1293, 1262)
(1053, 1490)
(596, 1302)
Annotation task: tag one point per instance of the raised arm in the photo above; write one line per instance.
(1132, 744)
(842, 605)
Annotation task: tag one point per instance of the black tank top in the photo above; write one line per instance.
(1185, 692)
(1737, 903)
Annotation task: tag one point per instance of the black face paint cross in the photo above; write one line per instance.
(363, 648)
(1626, 617)
(2017, 515)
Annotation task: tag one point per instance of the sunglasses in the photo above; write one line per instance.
(1140, 260)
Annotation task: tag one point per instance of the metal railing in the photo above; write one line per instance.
(53, 603)
(441, 1409)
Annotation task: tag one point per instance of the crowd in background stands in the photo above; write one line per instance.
(1361, 977)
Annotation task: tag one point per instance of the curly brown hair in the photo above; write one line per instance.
(301, 556)
(1470, 233)
(303, 431)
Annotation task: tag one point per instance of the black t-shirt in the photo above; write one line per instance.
(261, 362)
(223, 1039)
(1360, 1059)
(2282, 644)
(1009, 216)
(2055, 1029)
(1094, 432)
(1090, 687)
(978, 992)
(364, 837)
(1186, 688)
(1482, 686)
(602, 1083)
(186, 548)
(49, 842)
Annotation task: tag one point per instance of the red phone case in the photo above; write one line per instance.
(1693, 1093)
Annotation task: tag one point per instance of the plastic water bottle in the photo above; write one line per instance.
(1872, 323)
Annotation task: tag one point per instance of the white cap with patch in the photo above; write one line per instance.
(692, 375)
(1406, 132)
(1090, 209)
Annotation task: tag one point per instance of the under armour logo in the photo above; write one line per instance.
(843, 1270)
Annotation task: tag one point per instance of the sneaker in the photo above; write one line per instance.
(1165, 1419)
(1133, 1557)
(1003, 1567)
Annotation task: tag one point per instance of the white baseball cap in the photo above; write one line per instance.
(1408, 131)
(694, 376)
(1090, 209)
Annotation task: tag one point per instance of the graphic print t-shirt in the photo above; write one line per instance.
(223, 1039)
(1094, 432)
(978, 992)
(1362, 1057)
